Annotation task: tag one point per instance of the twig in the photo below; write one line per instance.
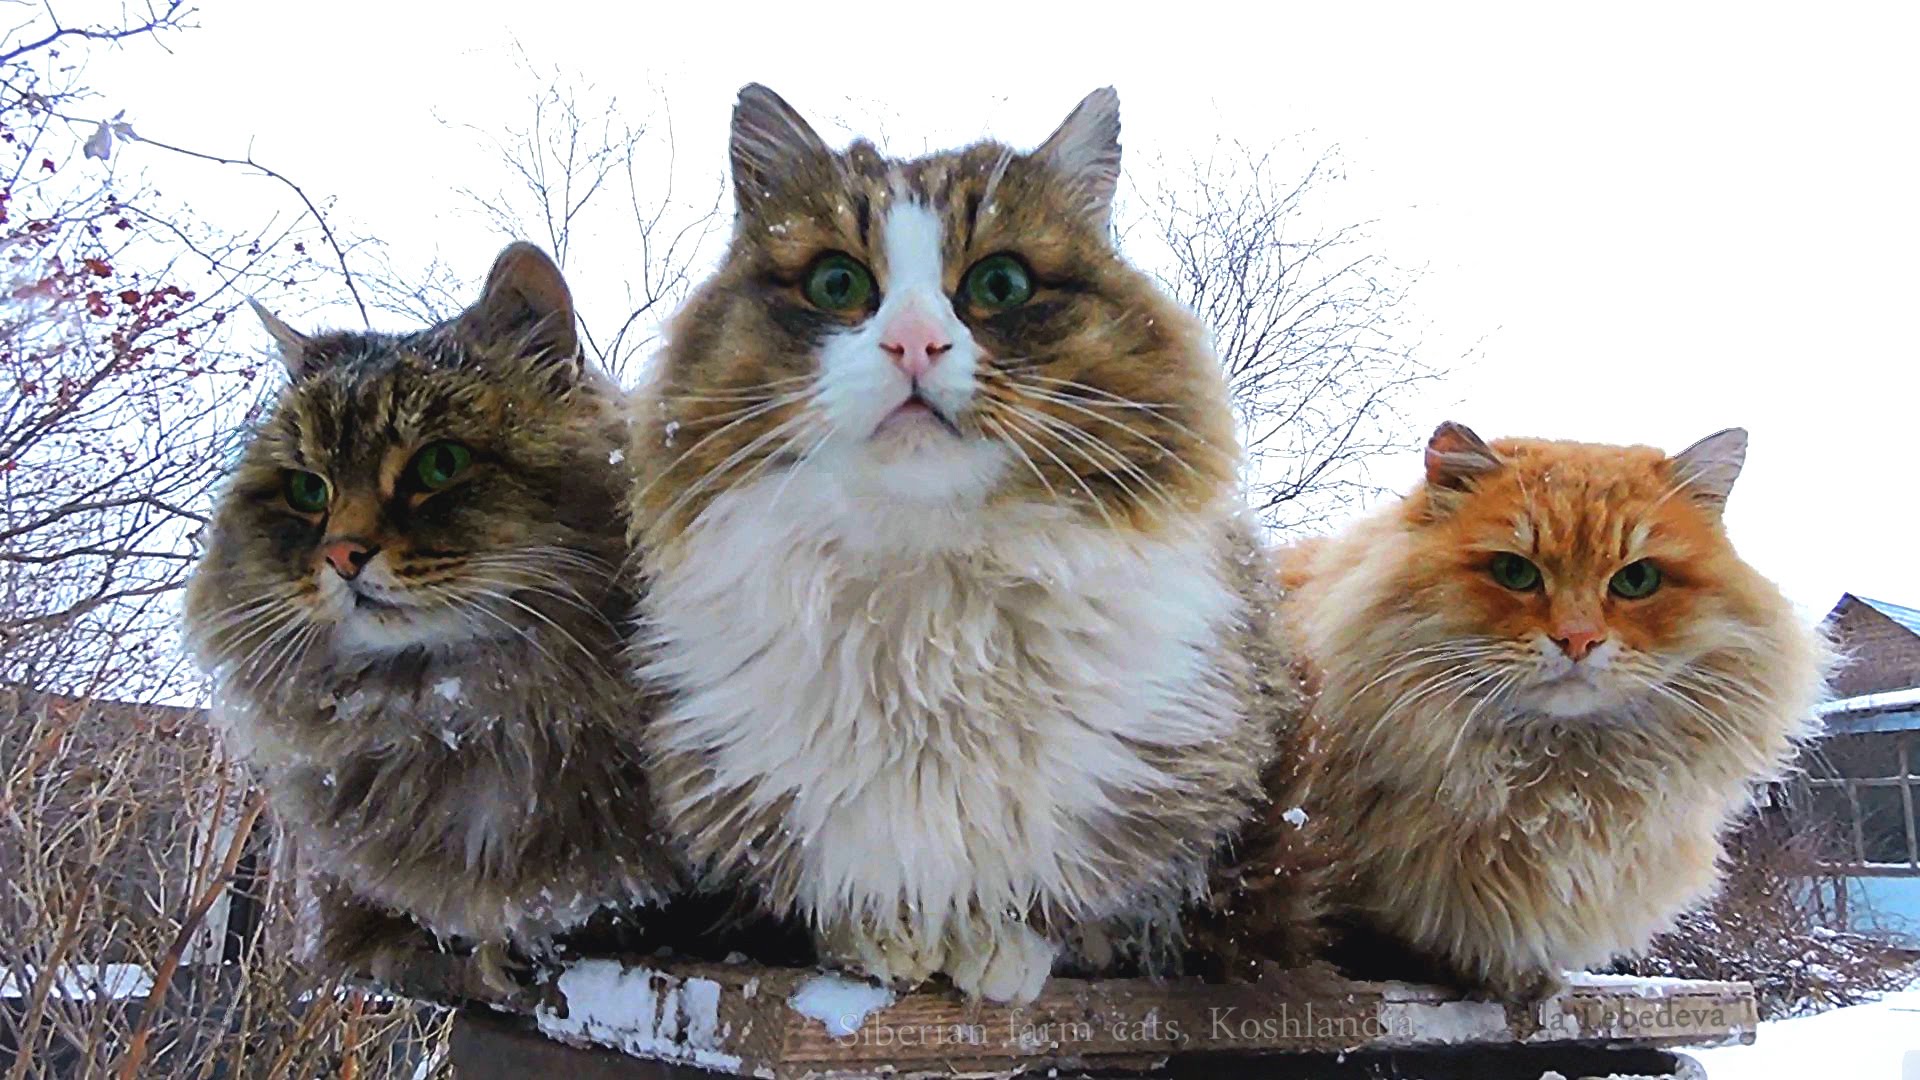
(157, 22)
(136, 1053)
(50, 972)
(320, 219)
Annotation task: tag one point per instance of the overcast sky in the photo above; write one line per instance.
(1662, 220)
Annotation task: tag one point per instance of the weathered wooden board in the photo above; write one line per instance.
(787, 1024)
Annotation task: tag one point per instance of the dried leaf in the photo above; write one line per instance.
(101, 144)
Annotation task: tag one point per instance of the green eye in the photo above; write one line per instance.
(306, 492)
(839, 283)
(436, 466)
(1635, 580)
(1514, 571)
(998, 282)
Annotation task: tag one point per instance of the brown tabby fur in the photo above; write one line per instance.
(465, 761)
(1508, 833)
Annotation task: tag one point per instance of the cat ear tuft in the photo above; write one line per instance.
(526, 300)
(1085, 151)
(1455, 456)
(296, 348)
(1708, 468)
(771, 145)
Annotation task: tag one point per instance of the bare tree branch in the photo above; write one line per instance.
(1310, 324)
(595, 187)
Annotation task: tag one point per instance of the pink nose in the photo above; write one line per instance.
(348, 556)
(915, 342)
(1578, 642)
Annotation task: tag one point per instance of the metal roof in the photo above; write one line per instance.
(1905, 616)
(1868, 723)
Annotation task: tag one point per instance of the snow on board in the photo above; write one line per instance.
(744, 1019)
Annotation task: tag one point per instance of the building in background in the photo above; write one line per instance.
(1865, 774)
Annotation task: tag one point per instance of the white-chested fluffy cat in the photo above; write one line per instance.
(409, 610)
(1548, 686)
(964, 635)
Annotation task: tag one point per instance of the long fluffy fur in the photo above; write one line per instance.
(466, 765)
(1511, 842)
(959, 698)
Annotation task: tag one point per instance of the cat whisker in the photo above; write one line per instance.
(1466, 723)
(534, 580)
(269, 631)
(1085, 488)
(1719, 687)
(751, 414)
(1432, 685)
(256, 627)
(794, 468)
(1109, 399)
(508, 598)
(1437, 653)
(467, 610)
(1119, 458)
(1007, 437)
(546, 564)
(1079, 405)
(1078, 441)
(751, 397)
(570, 597)
(699, 486)
(744, 390)
(754, 407)
(1717, 726)
(294, 650)
(240, 612)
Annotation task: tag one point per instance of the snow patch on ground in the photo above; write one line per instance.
(1295, 817)
(1647, 986)
(641, 1012)
(841, 1003)
(1866, 1041)
(81, 982)
(448, 689)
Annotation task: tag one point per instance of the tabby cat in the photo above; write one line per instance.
(964, 632)
(409, 613)
(1547, 688)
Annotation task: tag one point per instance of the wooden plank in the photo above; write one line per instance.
(790, 1024)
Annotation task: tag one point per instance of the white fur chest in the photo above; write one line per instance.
(941, 705)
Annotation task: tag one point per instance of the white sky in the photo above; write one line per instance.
(1663, 220)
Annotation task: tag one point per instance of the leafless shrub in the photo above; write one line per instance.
(132, 849)
(126, 949)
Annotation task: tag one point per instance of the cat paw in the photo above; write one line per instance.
(500, 969)
(1521, 987)
(1007, 963)
(896, 958)
(360, 940)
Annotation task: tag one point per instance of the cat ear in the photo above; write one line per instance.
(1085, 152)
(526, 300)
(296, 348)
(1708, 468)
(1455, 456)
(771, 145)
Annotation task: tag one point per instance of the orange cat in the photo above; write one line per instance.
(1547, 685)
